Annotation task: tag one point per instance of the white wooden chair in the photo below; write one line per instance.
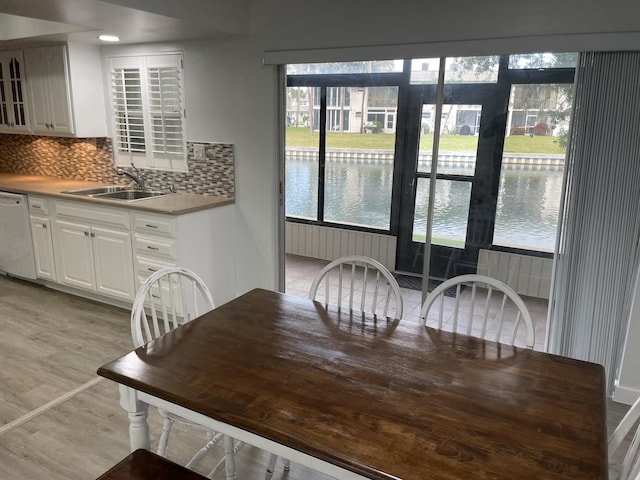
(629, 469)
(487, 309)
(362, 284)
(169, 298)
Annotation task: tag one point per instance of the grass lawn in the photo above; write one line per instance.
(302, 137)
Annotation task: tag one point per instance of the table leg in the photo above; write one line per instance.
(138, 418)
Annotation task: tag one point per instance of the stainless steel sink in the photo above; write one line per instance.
(116, 192)
(129, 195)
(98, 190)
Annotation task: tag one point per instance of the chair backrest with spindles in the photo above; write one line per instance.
(359, 283)
(169, 298)
(482, 307)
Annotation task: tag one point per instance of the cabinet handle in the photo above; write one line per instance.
(150, 226)
(152, 269)
(93, 234)
(86, 234)
(36, 207)
(152, 248)
(156, 296)
(44, 225)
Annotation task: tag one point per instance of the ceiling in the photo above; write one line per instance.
(27, 22)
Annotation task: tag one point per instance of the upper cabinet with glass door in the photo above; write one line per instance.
(13, 111)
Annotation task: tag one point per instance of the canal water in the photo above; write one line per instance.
(360, 194)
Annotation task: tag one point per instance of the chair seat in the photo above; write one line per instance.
(144, 465)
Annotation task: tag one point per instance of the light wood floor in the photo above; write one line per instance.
(58, 420)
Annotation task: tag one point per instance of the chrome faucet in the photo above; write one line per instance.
(138, 177)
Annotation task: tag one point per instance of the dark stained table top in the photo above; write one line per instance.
(381, 398)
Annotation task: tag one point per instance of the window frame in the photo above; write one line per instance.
(323, 82)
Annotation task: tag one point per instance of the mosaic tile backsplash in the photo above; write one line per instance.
(92, 160)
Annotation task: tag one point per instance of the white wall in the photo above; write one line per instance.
(462, 27)
(230, 98)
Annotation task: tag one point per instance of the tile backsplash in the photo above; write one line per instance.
(92, 160)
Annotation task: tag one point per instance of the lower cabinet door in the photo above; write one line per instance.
(75, 267)
(43, 248)
(113, 263)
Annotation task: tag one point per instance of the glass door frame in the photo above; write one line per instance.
(494, 99)
(450, 261)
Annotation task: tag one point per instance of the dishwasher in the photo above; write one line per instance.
(16, 246)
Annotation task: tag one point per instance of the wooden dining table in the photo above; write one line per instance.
(357, 396)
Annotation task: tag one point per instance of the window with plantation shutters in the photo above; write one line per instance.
(148, 111)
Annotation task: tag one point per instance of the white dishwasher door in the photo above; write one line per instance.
(16, 247)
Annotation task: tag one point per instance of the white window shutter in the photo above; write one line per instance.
(165, 110)
(129, 134)
(148, 111)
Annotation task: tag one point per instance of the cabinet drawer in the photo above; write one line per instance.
(38, 206)
(154, 246)
(147, 266)
(108, 216)
(155, 224)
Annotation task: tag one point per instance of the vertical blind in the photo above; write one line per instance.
(597, 253)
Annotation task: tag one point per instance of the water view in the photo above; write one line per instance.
(360, 194)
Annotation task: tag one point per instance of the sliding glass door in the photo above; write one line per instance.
(359, 152)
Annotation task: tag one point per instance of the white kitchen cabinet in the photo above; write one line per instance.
(42, 239)
(65, 88)
(93, 249)
(13, 108)
(49, 95)
(199, 241)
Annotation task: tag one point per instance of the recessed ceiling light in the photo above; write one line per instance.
(109, 38)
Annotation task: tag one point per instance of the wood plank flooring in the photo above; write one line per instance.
(58, 420)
